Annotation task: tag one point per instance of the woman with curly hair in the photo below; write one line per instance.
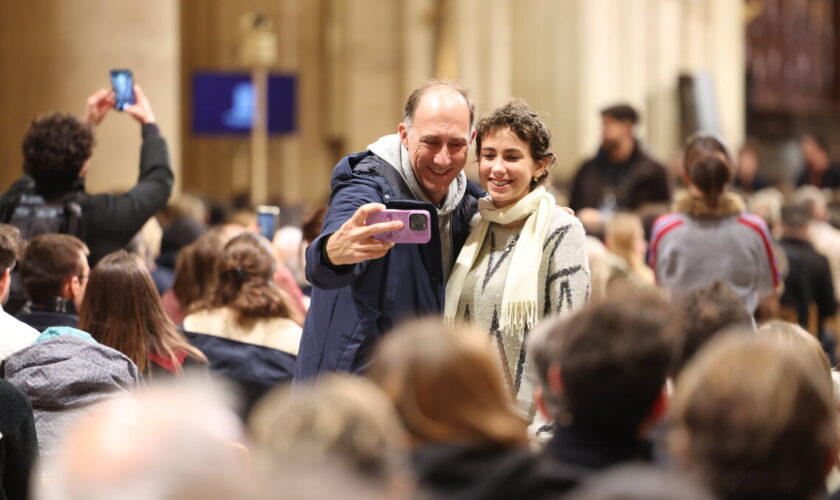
(247, 327)
(525, 257)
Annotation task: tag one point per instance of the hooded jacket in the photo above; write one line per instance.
(64, 377)
(353, 305)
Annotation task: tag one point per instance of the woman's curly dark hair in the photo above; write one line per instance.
(526, 124)
(55, 148)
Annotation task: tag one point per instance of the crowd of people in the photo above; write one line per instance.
(669, 334)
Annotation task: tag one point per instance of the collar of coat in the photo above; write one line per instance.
(728, 204)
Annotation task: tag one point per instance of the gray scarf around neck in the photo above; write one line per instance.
(391, 149)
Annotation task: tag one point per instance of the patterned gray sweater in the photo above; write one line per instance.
(564, 286)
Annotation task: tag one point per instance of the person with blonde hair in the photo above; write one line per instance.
(337, 421)
(466, 437)
(625, 239)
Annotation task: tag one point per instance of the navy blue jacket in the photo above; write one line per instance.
(353, 305)
(253, 369)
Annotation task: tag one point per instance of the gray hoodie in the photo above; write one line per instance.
(64, 377)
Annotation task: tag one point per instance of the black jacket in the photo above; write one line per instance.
(470, 473)
(633, 183)
(59, 312)
(19, 444)
(593, 451)
(110, 221)
(829, 179)
(808, 281)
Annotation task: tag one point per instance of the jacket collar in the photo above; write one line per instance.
(585, 448)
(728, 204)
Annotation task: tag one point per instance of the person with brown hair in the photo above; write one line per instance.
(195, 273)
(706, 312)
(466, 437)
(54, 273)
(247, 327)
(754, 419)
(603, 372)
(709, 236)
(121, 309)
(525, 257)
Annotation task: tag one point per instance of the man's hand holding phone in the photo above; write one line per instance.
(354, 241)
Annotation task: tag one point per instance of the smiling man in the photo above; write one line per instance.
(362, 286)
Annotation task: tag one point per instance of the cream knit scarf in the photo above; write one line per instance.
(519, 296)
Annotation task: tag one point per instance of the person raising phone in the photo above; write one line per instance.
(525, 257)
(57, 152)
(363, 286)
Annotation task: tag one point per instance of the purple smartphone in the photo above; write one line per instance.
(415, 226)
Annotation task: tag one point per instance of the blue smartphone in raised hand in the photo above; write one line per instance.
(123, 84)
(268, 220)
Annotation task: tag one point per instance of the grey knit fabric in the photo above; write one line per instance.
(564, 286)
(64, 377)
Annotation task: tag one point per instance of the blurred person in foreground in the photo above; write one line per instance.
(344, 424)
(122, 310)
(622, 176)
(639, 482)
(247, 326)
(363, 287)
(525, 257)
(467, 440)
(753, 419)
(175, 441)
(709, 236)
(603, 372)
(15, 334)
(54, 273)
(793, 337)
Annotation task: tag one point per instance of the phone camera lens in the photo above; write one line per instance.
(417, 222)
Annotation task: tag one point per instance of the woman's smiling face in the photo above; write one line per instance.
(506, 167)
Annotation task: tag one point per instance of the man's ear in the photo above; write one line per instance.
(472, 135)
(70, 287)
(402, 130)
